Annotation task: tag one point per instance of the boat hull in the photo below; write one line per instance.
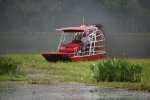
(88, 57)
(56, 56)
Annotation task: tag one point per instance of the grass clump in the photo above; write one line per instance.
(7, 66)
(9, 70)
(118, 70)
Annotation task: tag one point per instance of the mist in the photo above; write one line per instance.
(27, 31)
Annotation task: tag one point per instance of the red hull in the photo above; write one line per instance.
(88, 57)
(56, 56)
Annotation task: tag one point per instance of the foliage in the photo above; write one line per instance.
(7, 66)
(117, 70)
(71, 71)
(122, 5)
(41, 15)
(9, 70)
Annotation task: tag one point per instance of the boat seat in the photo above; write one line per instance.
(69, 48)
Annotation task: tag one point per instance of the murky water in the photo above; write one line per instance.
(66, 91)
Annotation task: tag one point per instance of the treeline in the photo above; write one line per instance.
(46, 15)
(135, 12)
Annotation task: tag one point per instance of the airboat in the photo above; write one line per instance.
(71, 48)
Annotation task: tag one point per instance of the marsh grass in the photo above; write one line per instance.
(63, 71)
(73, 71)
(118, 70)
(7, 66)
(9, 70)
(145, 80)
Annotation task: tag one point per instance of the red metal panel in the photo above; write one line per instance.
(88, 57)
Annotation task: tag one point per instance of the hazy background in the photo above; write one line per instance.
(28, 26)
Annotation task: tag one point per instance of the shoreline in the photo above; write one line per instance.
(43, 72)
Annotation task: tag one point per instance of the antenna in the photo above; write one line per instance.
(83, 21)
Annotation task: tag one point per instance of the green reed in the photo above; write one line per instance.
(116, 70)
(7, 66)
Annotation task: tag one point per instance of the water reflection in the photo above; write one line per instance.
(122, 94)
(66, 91)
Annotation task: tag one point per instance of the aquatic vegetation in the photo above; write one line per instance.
(34, 64)
(7, 66)
(9, 70)
(117, 70)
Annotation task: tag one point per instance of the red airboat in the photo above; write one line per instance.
(72, 48)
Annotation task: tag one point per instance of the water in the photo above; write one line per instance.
(66, 91)
(119, 45)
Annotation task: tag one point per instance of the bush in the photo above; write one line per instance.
(116, 70)
(7, 66)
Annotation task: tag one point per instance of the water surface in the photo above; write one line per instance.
(66, 91)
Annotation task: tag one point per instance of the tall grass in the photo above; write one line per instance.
(7, 66)
(9, 70)
(29, 64)
(116, 70)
